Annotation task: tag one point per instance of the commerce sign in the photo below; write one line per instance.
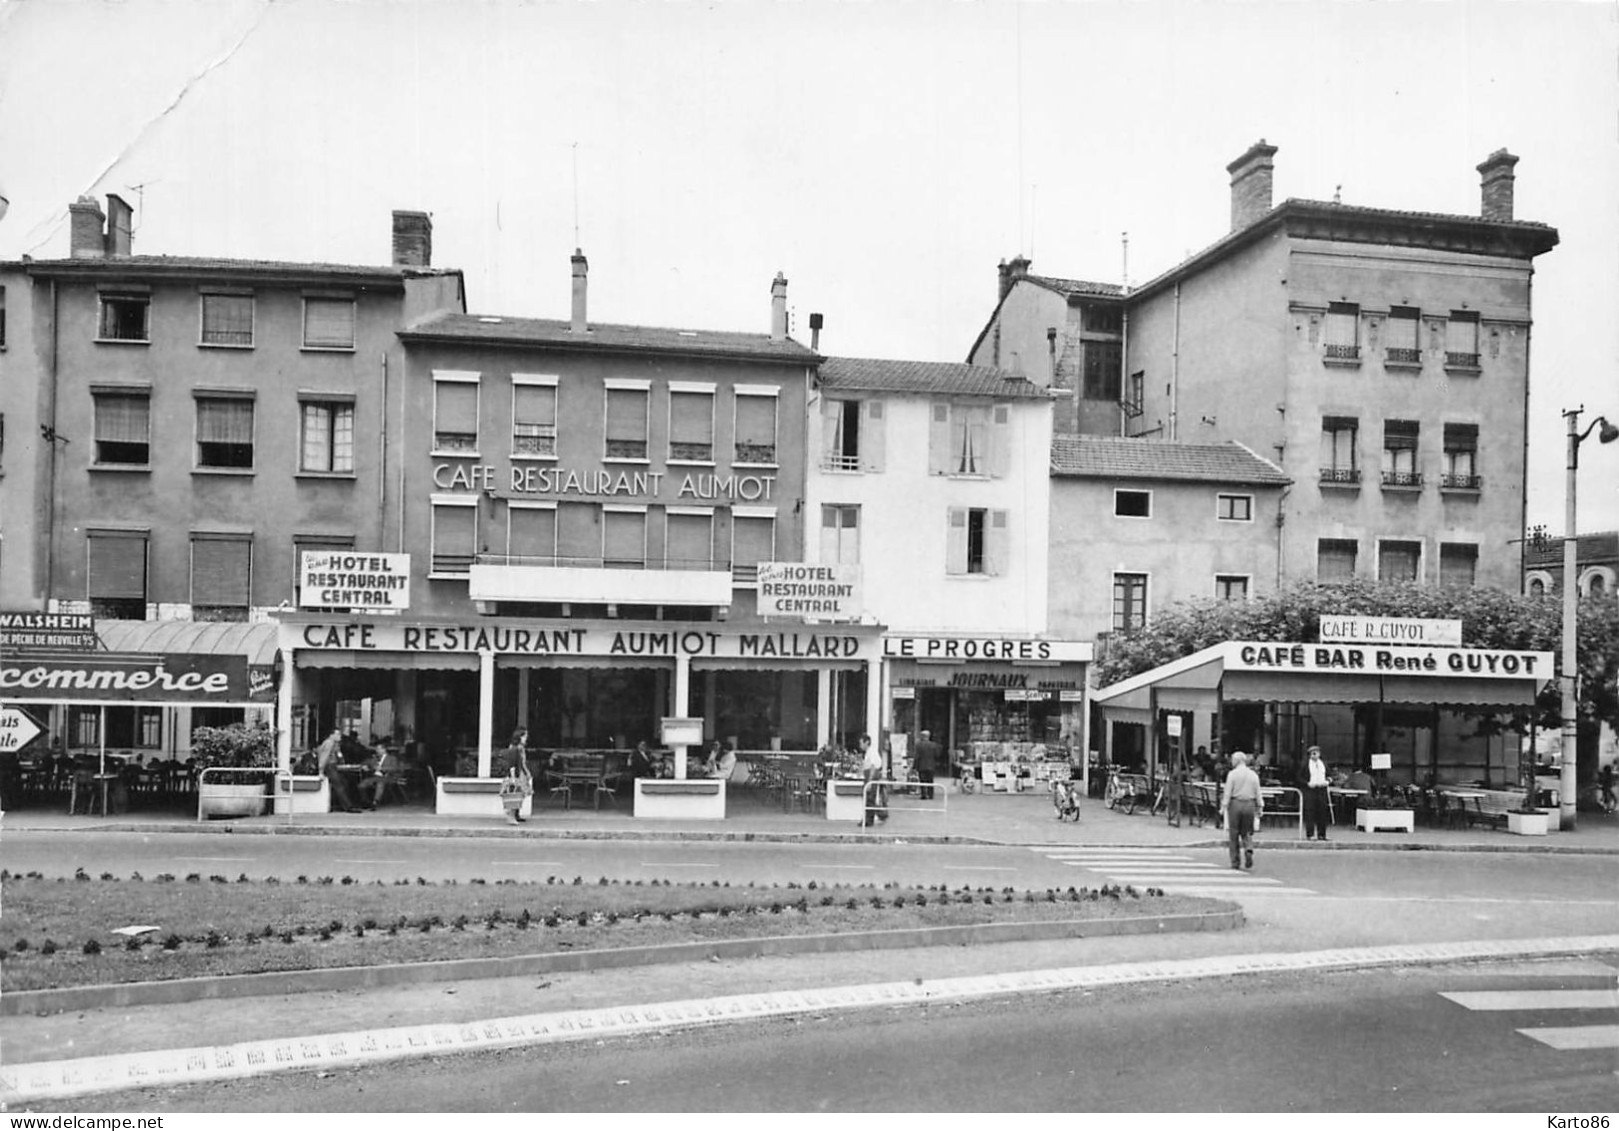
(1391, 630)
(72, 632)
(170, 677)
(797, 590)
(343, 579)
(1361, 659)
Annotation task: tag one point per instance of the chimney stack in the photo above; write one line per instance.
(120, 225)
(581, 268)
(87, 238)
(778, 308)
(1495, 185)
(816, 322)
(1010, 273)
(413, 239)
(1251, 176)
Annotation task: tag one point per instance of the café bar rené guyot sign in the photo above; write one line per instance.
(800, 591)
(346, 579)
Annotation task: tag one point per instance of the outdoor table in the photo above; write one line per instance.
(1354, 795)
(101, 782)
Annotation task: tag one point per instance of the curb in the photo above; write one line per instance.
(75, 998)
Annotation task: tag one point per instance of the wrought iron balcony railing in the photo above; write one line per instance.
(1399, 355)
(1340, 475)
(1461, 482)
(1402, 479)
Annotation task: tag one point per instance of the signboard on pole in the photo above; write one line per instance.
(16, 730)
(799, 591)
(343, 579)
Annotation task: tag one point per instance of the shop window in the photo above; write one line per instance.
(755, 427)
(691, 425)
(977, 541)
(1103, 364)
(133, 728)
(688, 539)
(623, 538)
(1458, 564)
(1335, 559)
(84, 726)
(327, 441)
(124, 317)
(224, 432)
(1132, 504)
(1230, 587)
(851, 435)
(1402, 337)
(1461, 340)
(840, 534)
(1234, 508)
(1343, 331)
(312, 544)
(626, 428)
(221, 577)
(1129, 601)
(1339, 435)
(1399, 561)
(531, 533)
(968, 439)
(534, 417)
(454, 534)
(227, 320)
(1400, 453)
(116, 574)
(455, 412)
(1461, 458)
(123, 428)
(328, 323)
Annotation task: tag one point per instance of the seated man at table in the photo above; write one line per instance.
(386, 770)
(643, 763)
(720, 761)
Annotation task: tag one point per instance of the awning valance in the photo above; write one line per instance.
(392, 661)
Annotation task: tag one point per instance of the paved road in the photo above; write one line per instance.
(1518, 1037)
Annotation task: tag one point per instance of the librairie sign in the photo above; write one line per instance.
(344, 579)
(1365, 659)
(798, 590)
(70, 632)
(1391, 630)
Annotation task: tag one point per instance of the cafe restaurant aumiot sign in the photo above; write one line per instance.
(388, 635)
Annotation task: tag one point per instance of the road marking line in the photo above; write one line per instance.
(674, 864)
(526, 863)
(216, 859)
(846, 867)
(975, 868)
(1579, 1037)
(1534, 999)
(372, 861)
(1194, 889)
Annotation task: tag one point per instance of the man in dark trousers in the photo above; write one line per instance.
(926, 760)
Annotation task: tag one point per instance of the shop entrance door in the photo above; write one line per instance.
(933, 714)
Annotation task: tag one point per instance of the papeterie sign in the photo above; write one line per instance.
(1391, 630)
(72, 632)
(344, 579)
(819, 592)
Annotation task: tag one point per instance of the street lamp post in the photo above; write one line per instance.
(1567, 789)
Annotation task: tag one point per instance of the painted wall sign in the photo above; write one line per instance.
(170, 677)
(1362, 659)
(605, 482)
(1391, 630)
(74, 632)
(799, 590)
(343, 579)
(985, 648)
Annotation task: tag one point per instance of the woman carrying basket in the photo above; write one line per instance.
(511, 765)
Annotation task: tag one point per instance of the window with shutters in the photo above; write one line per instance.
(626, 422)
(1458, 564)
(1234, 508)
(1132, 504)
(976, 542)
(326, 442)
(691, 424)
(1335, 559)
(688, 539)
(1399, 560)
(1400, 453)
(224, 432)
(1230, 587)
(328, 323)
(124, 317)
(454, 535)
(455, 413)
(968, 439)
(1402, 346)
(227, 320)
(1129, 601)
(1103, 363)
(534, 417)
(1136, 394)
(753, 540)
(1343, 332)
(1461, 458)
(312, 544)
(1461, 340)
(1338, 450)
(852, 434)
(123, 428)
(115, 574)
(623, 538)
(840, 534)
(221, 577)
(755, 428)
(531, 533)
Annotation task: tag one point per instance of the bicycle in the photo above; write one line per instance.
(1120, 794)
(1065, 799)
(966, 780)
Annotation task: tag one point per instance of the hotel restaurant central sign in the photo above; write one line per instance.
(797, 590)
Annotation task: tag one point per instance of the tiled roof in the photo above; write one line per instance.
(881, 375)
(1070, 287)
(1110, 457)
(186, 265)
(602, 335)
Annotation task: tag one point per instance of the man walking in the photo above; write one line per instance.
(1243, 806)
(926, 761)
(1316, 802)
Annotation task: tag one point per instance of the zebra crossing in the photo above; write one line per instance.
(1576, 1020)
(1172, 870)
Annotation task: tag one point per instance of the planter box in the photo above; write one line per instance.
(845, 800)
(302, 793)
(694, 799)
(473, 797)
(217, 800)
(1384, 820)
(1527, 824)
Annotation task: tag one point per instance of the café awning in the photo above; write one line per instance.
(200, 663)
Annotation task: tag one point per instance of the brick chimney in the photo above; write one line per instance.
(581, 267)
(778, 308)
(1010, 273)
(1251, 176)
(413, 239)
(87, 238)
(1495, 185)
(120, 225)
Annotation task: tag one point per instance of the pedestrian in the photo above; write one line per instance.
(1605, 780)
(1317, 805)
(517, 784)
(328, 762)
(871, 770)
(926, 760)
(1243, 805)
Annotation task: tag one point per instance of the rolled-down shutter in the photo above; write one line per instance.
(532, 532)
(329, 323)
(689, 541)
(753, 540)
(117, 566)
(221, 571)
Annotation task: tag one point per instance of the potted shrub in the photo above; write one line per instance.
(240, 761)
(1528, 819)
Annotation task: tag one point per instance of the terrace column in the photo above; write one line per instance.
(486, 711)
